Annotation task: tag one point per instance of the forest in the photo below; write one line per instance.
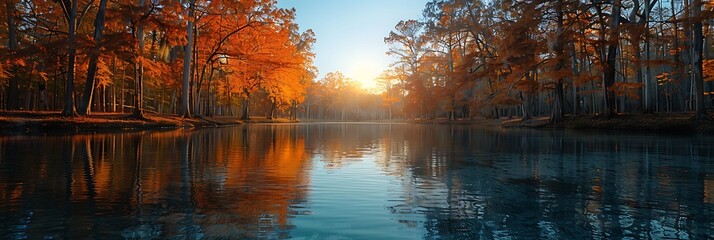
(462, 59)
(546, 58)
(168, 57)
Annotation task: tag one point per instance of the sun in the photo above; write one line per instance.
(365, 73)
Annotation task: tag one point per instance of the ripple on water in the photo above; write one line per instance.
(357, 181)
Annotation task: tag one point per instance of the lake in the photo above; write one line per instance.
(357, 181)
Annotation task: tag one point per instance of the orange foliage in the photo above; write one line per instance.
(629, 90)
(708, 70)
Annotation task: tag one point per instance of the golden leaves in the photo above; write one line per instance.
(708, 70)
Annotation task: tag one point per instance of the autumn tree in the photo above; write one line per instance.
(545, 55)
(446, 31)
(558, 48)
(93, 59)
(220, 24)
(70, 9)
(409, 48)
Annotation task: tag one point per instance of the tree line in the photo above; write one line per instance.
(187, 57)
(459, 60)
(539, 57)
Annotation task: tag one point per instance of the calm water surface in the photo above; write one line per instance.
(357, 181)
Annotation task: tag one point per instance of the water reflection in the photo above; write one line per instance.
(476, 183)
(236, 184)
(365, 181)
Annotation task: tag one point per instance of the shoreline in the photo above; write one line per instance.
(51, 121)
(656, 122)
(477, 121)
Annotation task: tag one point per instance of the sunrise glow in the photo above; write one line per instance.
(365, 73)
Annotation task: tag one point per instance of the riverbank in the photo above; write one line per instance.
(25, 121)
(660, 122)
(480, 121)
(38, 122)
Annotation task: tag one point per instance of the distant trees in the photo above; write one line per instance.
(537, 57)
(338, 97)
(334, 96)
(167, 56)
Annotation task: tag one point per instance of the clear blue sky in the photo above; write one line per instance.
(350, 33)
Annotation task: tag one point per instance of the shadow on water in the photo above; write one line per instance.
(357, 181)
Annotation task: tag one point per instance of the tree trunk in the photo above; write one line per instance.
(113, 99)
(246, 107)
(122, 94)
(103, 99)
(12, 90)
(452, 94)
(575, 67)
(557, 109)
(172, 104)
(610, 67)
(185, 107)
(524, 107)
(390, 111)
(69, 110)
(139, 70)
(686, 80)
(89, 84)
(209, 98)
(698, 43)
(195, 96)
(295, 110)
(650, 100)
(273, 106)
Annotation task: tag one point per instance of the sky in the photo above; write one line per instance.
(350, 33)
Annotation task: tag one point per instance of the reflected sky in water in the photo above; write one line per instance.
(357, 181)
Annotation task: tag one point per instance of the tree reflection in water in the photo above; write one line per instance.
(186, 184)
(472, 182)
(356, 180)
